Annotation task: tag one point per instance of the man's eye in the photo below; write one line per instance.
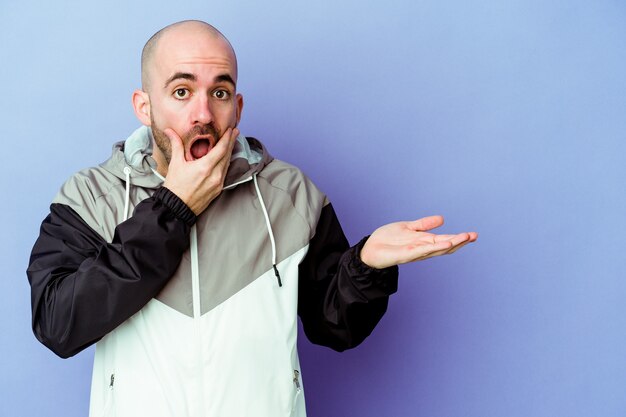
(221, 94)
(181, 93)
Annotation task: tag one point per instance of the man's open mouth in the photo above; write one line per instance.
(201, 146)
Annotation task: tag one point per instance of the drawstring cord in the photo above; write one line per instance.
(269, 229)
(127, 171)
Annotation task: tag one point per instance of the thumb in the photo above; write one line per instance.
(178, 150)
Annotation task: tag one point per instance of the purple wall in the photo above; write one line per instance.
(506, 117)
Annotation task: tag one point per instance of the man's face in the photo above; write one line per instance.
(192, 90)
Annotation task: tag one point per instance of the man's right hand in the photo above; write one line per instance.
(199, 182)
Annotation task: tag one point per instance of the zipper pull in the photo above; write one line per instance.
(296, 379)
(112, 380)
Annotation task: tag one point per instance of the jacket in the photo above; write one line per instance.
(197, 315)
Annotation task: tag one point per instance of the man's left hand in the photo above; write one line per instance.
(404, 242)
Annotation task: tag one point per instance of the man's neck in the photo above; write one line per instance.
(159, 158)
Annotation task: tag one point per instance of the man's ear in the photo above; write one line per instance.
(239, 99)
(141, 105)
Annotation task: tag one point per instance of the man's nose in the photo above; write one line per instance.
(202, 110)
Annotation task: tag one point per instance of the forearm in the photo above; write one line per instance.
(341, 299)
(83, 287)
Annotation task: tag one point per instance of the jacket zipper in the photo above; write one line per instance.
(296, 379)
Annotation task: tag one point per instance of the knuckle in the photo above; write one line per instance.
(205, 171)
(215, 183)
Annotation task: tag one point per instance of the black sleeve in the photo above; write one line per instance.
(82, 287)
(340, 299)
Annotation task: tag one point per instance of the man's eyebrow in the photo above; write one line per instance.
(179, 76)
(225, 77)
(191, 77)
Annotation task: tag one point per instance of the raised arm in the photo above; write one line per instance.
(82, 287)
(344, 291)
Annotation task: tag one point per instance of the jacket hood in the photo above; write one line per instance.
(249, 157)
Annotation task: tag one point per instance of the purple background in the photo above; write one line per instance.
(506, 117)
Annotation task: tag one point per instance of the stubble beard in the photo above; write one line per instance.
(162, 141)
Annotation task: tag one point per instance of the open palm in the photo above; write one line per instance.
(409, 241)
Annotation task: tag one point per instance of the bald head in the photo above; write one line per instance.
(150, 53)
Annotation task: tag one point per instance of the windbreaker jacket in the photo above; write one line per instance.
(197, 316)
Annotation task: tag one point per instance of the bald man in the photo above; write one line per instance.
(188, 255)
